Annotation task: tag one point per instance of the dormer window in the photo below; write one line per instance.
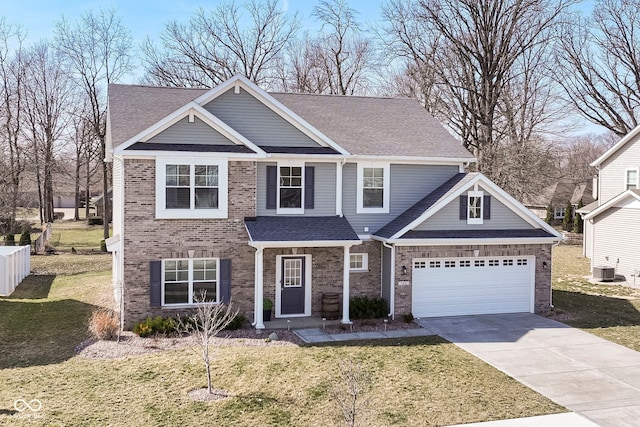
(475, 207)
(631, 178)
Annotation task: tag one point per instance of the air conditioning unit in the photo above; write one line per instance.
(604, 273)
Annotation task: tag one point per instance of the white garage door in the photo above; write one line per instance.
(459, 286)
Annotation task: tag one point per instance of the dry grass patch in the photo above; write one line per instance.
(420, 381)
(607, 310)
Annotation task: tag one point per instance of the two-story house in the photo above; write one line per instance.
(248, 194)
(612, 222)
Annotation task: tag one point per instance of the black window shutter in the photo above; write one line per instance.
(225, 280)
(155, 280)
(463, 207)
(309, 180)
(486, 207)
(272, 186)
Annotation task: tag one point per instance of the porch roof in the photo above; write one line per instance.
(476, 234)
(301, 230)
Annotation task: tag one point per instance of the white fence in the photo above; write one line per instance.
(15, 265)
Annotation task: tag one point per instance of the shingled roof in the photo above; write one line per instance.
(300, 229)
(361, 125)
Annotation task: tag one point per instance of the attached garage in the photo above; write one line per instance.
(477, 285)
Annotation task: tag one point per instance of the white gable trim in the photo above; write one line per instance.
(187, 110)
(274, 105)
(471, 241)
(493, 190)
(612, 203)
(632, 134)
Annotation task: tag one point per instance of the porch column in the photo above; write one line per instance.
(345, 288)
(259, 294)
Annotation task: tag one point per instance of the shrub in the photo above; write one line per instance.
(368, 308)
(407, 317)
(25, 238)
(549, 217)
(94, 220)
(103, 245)
(567, 221)
(104, 324)
(10, 240)
(155, 326)
(578, 224)
(238, 321)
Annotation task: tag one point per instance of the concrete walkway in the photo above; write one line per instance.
(588, 375)
(317, 335)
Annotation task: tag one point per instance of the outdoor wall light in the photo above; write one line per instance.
(544, 264)
(404, 269)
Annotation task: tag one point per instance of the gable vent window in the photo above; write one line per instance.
(475, 207)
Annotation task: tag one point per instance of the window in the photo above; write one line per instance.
(420, 264)
(631, 179)
(449, 264)
(478, 263)
(494, 263)
(359, 262)
(507, 262)
(465, 263)
(522, 262)
(474, 207)
(184, 280)
(434, 264)
(558, 213)
(290, 187)
(373, 188)
(191, 189)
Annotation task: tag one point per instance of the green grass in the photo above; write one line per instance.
(419, 381)
(607, 310)
(69, 234)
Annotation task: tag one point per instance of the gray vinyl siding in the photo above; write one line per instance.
(386, 274)
(258, 123)
(612, 171)
(118, 197)
(448, 218)
(409, 184)
(184, 132)
(616, 241)
(324, 190)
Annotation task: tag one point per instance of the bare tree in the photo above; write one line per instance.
(215, 45)
(598, 64)
(348, 393)
(208, 321)
(12, 75)
(46, 101)
(97, 48)
(472, 53)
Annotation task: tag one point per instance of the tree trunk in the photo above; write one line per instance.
(87, 191)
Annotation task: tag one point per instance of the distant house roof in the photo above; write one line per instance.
(361, 125)
(559, 193)
(300, 229)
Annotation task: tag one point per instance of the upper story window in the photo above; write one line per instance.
(185, 280)
(373, 188)
(558, 213)
(191, 189)
(631, 179)
(475, 207)
(290, 187)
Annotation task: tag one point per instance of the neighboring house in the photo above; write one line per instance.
(612, 223)
(558, 194)
(98, 204)
(248, 194)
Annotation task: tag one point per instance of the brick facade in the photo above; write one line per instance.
(147, 238)
(405, 255)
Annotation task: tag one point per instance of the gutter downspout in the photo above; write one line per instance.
(339, 166)
(392, 281)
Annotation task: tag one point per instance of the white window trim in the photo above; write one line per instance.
(223, 189)
(471, 194)
(191, 303)
(626, 178)
(562, 211)
(290, 211)
(385, 191)
(365, 262)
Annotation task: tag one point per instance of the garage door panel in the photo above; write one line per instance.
(472, 286)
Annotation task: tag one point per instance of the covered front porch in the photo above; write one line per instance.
(297, 260)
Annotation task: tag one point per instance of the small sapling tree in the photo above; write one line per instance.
(208, 321)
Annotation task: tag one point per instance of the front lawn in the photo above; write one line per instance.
(607, 310)
(421, 381)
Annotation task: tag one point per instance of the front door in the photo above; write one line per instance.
(292, 285)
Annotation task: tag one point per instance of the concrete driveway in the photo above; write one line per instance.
(588, 375)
